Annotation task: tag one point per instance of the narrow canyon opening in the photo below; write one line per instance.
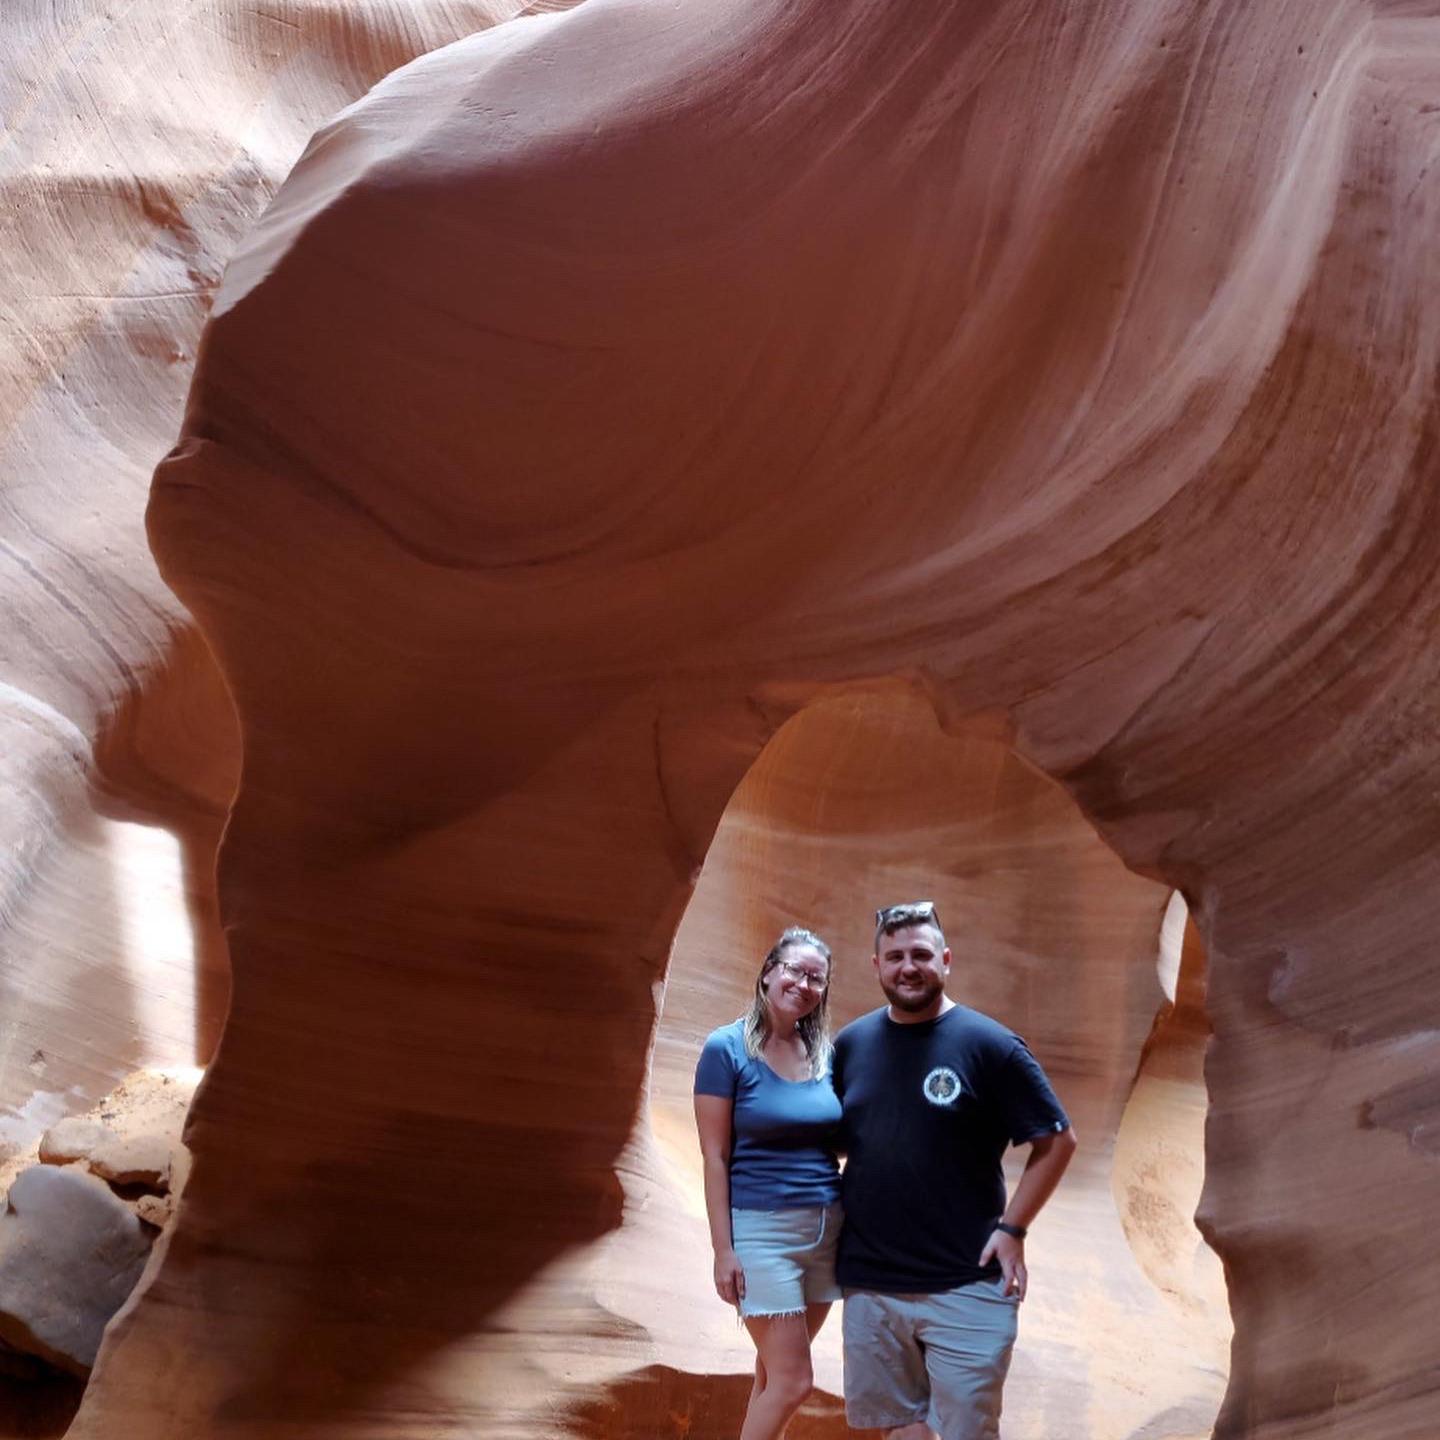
(860, 800)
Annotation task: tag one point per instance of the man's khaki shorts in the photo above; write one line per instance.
(938, 1359)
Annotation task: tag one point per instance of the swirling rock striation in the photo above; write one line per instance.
(603, 389)
(124, 195)
(137, 144)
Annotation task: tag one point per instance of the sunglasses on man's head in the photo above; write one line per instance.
(917, 912)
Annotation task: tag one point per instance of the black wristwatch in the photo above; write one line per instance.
(1017, 1232)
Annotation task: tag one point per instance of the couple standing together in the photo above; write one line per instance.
(922, 1096)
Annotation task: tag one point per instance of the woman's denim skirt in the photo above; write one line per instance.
(788, 1257)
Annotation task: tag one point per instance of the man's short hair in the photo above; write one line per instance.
(890, 918)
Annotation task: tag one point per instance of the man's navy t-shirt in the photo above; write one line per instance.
(929, 1109)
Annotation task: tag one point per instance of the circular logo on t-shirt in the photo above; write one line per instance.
(942, 1086)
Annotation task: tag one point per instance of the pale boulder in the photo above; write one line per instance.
(145, 1159)
(155, 1210)
(74, 1140)
(70, 1252)
(134, 1160)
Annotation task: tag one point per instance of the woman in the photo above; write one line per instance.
(767, 1117)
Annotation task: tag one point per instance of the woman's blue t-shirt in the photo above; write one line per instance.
(782, 1131)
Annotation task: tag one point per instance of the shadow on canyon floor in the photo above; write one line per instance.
(391, 1235)
(660, 1403)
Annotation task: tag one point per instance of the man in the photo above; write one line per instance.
(932, 1257)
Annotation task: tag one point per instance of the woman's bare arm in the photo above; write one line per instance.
(712, 1119)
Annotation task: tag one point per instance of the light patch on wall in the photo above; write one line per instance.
(1172, 941)
(23, 1124)
(157, 939)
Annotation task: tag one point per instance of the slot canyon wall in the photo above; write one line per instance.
(138, 144)
(137, 147)
(599, 394)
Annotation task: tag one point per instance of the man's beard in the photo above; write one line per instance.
(912, 1000)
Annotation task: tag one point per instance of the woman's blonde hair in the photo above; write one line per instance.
(814, 1029)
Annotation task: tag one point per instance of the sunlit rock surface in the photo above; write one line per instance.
(599, 392)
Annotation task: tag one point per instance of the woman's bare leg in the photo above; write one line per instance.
(783, 1377)
(814, 1319)
(759, 1384)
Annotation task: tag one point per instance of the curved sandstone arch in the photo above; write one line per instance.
(862, 797)
(601, 391)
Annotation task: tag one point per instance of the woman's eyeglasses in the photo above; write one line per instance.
(801, 976)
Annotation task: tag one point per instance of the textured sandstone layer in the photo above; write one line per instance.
(601, 390)
(138, 142)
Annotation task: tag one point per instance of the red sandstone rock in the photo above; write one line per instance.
(597, 394)
(599, 390)
(140, 143)
(135, 1159)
